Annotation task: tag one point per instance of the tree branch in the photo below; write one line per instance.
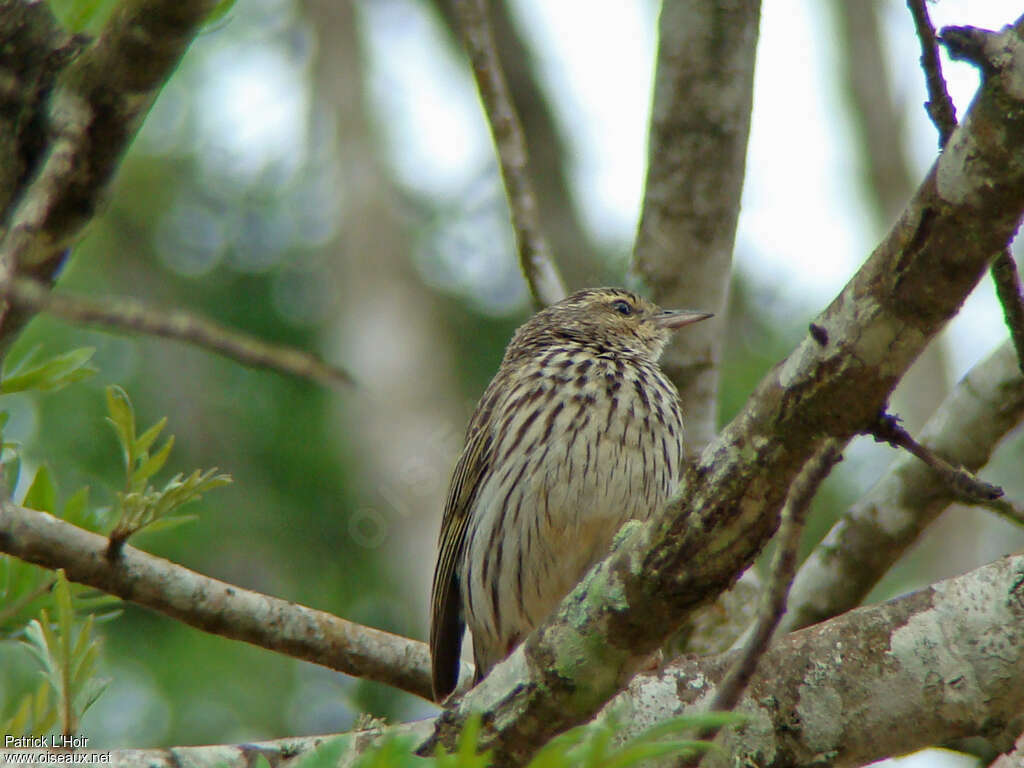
(535, 257)
(95, 109)
(1008, 290)
(133, 316)
(214, 606)
(887, 429)
(700, 121)
(873, 534)
(943, 114)
(773, 598)
(942, 663)
(773, 601)
(969, 205)
(939, 106)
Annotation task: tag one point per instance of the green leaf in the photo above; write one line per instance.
(641, 754)
(91, 690)
(12, 469)
(219, 11)
(152, 465)
(50, 375)
(122, 418)
(76, 508)
(147, 438)
(169, 523)
(327, 755)
(81, 15)
(42, 494)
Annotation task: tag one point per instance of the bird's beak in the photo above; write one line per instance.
(673, 319)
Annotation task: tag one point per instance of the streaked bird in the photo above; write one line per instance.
(578, 432)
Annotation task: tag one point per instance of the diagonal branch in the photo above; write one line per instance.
(214, 606)
(872, 535)
(773, 600)
(943, 114)
(883, 680)
(968, 206)
(130, 315)
(95, 110)
(535, 256)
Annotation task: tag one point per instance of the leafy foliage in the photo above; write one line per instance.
(29, 373)
(593, 745)
(140, 505)
(67, 653)
(25, 588)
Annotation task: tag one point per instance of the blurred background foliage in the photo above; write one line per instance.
(317, 173)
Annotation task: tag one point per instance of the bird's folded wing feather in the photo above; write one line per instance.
(446, 621)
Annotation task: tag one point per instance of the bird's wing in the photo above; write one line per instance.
(446, 621)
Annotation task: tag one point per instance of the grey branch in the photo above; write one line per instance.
(878, 681)
(872, 535)
(887, 429)
(728, 506)
(95, 109)
(773, 601)
(133, 316)
(966, 43)
(943, 663)
(214, 606)
(535, 256)
(700, 121)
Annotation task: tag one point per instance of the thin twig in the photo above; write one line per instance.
(942, 112)
(886, 429)
(783, 567)
(939, 105)
(1005, 508)
(133, 316)
(1008, 289)
(535, 259)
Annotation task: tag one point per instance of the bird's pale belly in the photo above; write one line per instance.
(560, 513)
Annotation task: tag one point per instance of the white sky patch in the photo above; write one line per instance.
(438, 139)
(600, 75)
(803, 228)
(252, 112)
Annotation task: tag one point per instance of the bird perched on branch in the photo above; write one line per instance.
(578, 432)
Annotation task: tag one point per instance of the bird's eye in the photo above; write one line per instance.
(622, 307)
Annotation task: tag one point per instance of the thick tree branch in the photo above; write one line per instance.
(942, 663)
(95, 109)
(133, 316)
(535, 256)
(969, 205)
(873, 534)
(700, 121)
(213, 606)
(942, 112)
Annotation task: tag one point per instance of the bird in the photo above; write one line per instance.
(578, 432)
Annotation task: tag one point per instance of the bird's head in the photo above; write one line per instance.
(619, 320)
